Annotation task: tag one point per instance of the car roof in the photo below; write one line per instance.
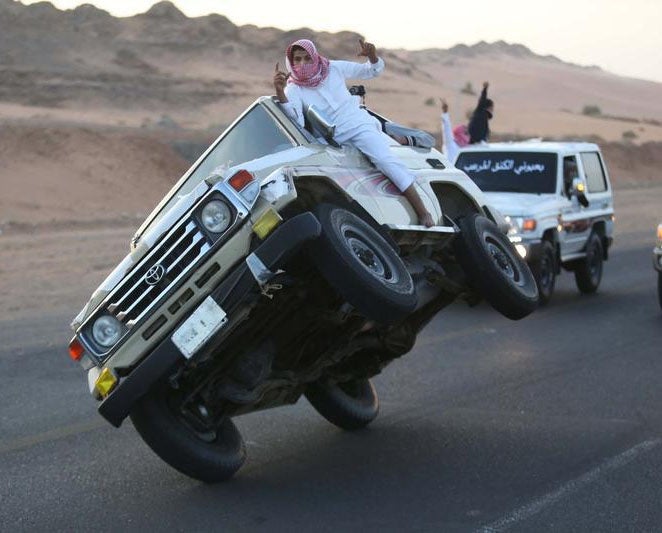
(533, 145)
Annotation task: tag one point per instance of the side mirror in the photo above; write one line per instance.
(321, 124)
(579, 190)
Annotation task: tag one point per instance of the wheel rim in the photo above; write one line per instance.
(502, 259)
(368, 256)
(594, 263)
(198, 424)
(353, 389)
(546, 272)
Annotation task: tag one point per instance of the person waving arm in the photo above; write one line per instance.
(288, 96)
(362, 71)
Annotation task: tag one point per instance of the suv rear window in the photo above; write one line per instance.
(525, 172)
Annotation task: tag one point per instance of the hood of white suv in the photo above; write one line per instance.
(521, 204)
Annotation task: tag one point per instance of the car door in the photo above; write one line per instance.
(574, 220)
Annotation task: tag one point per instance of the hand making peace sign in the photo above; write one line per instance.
(368, 50)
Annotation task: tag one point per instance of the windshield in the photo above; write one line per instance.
(255, 135)
(524, 172)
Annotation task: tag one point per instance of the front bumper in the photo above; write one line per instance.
(657, 258)
(236, 289)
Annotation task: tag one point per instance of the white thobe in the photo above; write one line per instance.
(354, 125)
(451, 148)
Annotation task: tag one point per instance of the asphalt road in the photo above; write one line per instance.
(552, 423)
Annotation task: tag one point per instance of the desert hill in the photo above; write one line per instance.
(85, 65)
(94, 109)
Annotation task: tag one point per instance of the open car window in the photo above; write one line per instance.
(522, 172)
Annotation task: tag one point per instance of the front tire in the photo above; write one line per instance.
(659, 288)
(365, 269)
(210, 456)
(588, 272)
(544, 271)
(350, 405)
(494, 267)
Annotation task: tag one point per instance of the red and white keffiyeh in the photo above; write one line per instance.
(310, 74)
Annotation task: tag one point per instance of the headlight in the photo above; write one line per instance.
(521, 224)
(512, 225)
(521, 250)
(659, 233)
(216, 216)
(106, 330)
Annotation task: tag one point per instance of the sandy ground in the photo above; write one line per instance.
(56, 267)
(72, 197)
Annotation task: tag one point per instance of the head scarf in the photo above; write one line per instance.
(307, 75)
(461, 135)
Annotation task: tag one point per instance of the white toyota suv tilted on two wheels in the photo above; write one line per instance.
(282, 265)
(558, 201)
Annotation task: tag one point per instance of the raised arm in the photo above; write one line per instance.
(362, 71)
(289, 96)
(280, 82)
(482, 101)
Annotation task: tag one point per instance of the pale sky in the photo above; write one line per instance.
(624, 37)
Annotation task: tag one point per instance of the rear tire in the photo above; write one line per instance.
(588, 272)
(659, 288)
(351, 405)
(544, 271)
(362, 266)
(494, 267)
(210, 457)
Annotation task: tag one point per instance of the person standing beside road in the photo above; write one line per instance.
(313, 79)
(479, 128)
(452, 138)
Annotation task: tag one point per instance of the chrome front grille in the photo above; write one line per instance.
(164, 267)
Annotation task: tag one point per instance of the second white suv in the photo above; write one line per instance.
(558, 201)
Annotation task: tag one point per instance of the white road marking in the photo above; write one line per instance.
(533, 508)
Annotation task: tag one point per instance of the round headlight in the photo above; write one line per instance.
(216, 216)
(106, 330)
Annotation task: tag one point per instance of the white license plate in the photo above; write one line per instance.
(206, 320)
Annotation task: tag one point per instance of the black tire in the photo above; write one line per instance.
(351, 405)
(210, 457)
(588, 272)
(544, 272)
(494, 267)
(659, 287)
(362, 266)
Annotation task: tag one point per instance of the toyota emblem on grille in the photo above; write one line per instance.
(155, 274)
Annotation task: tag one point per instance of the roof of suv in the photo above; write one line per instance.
(534, 145)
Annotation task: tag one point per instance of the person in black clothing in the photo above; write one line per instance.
(479, 129)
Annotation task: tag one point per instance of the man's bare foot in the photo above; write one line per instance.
(426, 220)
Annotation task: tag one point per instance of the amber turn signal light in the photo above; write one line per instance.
(240, 180)
(529, 224)
(76, 349)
